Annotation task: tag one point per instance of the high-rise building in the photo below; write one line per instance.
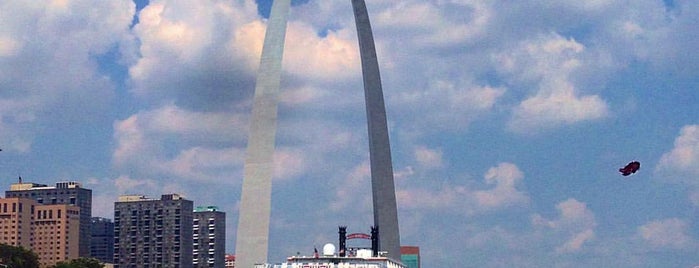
(55, 227)
(50, 231)
(410, 256)
(209, 237)
(16, 221)
(102, 243)
(153, 232)
(69, 193)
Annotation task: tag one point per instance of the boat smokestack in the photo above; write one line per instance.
(343, 240)
(375, 241)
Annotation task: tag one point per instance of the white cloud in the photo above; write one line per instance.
(49, 66)
(684, 156)
(504, 178)
(446, 105)
(8, 46)
(437, 24)
(127, 185)
(130, 140)
(670, 233)
(547, 111)
(174, 141)
(202, 163)
(196, 54)
(333, 57)
(206, 57)
(428, 158)
(289, 163)
(549, 63)
(346, 194)
(576, 242)
(679, 164)
(576, 222)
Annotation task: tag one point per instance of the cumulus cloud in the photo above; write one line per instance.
(670, 233)
(205, 57)
(505, 178)
(679, 164)
(346, 194)
(48, 61)
(425, 22)
(201, 56)
(332, 57)
(174, 141)
(504, 193)
(428, 158)
(575, 221)
(684, 155)
(128, 185)
(548, 63)
(447, 105)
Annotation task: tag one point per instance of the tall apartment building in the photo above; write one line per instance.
(102, 243)
(50, 231)
(209, 231)
(69, 193)
(153, 233)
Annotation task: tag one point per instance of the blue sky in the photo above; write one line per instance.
(508, 120)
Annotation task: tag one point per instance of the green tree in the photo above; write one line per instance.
(80, 263)
(18, 257)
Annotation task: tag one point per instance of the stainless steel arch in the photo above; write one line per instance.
(382, 185)
(254, 215)
(252, 238)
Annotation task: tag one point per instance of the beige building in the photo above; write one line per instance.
(56, 229)
(50, 231)
(16, 216)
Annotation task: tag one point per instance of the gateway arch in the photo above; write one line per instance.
(252, 236)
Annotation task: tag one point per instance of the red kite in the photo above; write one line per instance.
(630, 168)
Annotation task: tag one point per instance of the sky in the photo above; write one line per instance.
(508, 120)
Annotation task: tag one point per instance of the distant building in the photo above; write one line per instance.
(230, 261)
(209, 231)
(152, 232)
(55, 227)
(410, 256)
(17, 222)
(50, 231)
(69, 193)
(102, 243)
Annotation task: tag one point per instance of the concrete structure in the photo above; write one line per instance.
(17, 221)
(152, 232)
(209, 234)
(382, 185)
(253, 226)
(252, 237)
(55, 227)
(50, 231)
(69, 193)
(102, 242)
(410, 256)
(230, 261)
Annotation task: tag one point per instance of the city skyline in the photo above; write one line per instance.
(508, 120)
